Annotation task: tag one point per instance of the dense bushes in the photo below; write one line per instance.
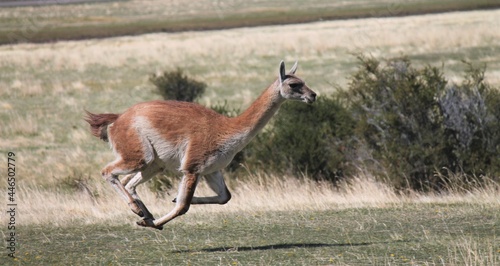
(419, 127)
(471, 113)
(398, 117)
(400, 123)
(403, 124)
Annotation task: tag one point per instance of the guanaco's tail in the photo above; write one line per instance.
(99, 123)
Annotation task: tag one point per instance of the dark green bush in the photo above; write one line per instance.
(471, 118)
(174, 85)
(419, 128)
(307, 139)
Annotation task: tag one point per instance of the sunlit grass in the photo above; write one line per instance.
(90, 200)
(421, 234)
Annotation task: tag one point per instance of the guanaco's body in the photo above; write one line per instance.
(151, 137)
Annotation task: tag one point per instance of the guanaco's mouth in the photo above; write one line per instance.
(309, 100)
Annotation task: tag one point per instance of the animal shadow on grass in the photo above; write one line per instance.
(270, 247)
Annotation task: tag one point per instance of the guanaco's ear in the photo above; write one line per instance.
(282, 72)
(294, 68)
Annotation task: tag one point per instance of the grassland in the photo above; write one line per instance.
(68, 215)
(41, 23)
(286, 222)
(424, 234)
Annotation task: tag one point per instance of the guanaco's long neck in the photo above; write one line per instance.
(258, 114)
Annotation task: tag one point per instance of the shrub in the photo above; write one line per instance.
(419, 128)
(471, 117)
(174, 85)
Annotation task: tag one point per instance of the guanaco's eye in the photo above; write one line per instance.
(296, 86)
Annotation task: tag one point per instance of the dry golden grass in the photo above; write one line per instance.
(92, 201)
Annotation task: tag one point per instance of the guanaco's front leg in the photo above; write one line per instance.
(216, 182)
(187, 187)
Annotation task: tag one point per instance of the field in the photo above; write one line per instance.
(409, 234)
(286, 222)
(67, 214)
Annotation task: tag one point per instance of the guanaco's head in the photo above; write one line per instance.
(293, 87)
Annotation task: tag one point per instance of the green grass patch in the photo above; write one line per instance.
(456, 234)
(100, 20)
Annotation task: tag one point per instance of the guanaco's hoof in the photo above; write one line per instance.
(149, 223)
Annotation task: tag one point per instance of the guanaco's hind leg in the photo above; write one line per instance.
(136, 180)
(127, 179)
(187, 187)
(110, 174)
